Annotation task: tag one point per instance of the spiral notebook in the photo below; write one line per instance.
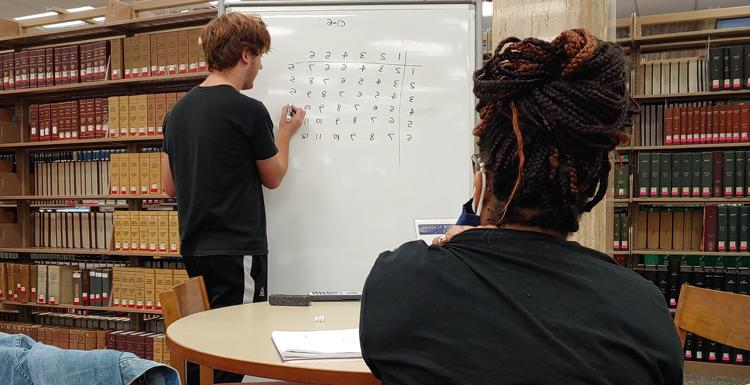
(315, 345)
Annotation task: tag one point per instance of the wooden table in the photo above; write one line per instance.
(238, 339)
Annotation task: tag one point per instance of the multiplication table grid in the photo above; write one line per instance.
(356, 96)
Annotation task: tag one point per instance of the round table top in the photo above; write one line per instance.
(238, 339)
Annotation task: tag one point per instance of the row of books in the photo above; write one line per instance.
(116, 116)
(146, 345)
(727, 123)
(136, 173)
(98, 172)
(727, 227)
(672, 76)
(139, 288)
(155, 231)
(668, 228)
(157, 54)
(45, 67)
(111, 286)
(706, 174)
(55, 284)
(68, 230)
(697, 348)
(52, 316)
(84, 119)
(71, 172)
(729, 67)
(621, 230)
(622, 177)
(670, 277)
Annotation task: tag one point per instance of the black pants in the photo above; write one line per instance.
(230, 280)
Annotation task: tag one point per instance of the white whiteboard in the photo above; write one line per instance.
(354, 189)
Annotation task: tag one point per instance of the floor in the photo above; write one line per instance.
(692, 379)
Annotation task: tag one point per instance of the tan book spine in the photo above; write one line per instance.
(174, 232)
(133, 114)
(133, 173)
(149, 288)
(163, 218)
(151, 114)
(154, 163)
(144, 177)
(125, 229)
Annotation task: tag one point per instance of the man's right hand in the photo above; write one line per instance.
(289, 128)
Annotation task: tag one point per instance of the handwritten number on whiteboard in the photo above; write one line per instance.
(378, 82)
(345, 55)
(377, 94)
(304, 135)
(292, 79)
(343, 80)
(327, 67)
(410, 124)
(398, 70)
(372, 137)
(336, 136)
(391, 120)
(291, 67)
(341, 94)
(311, 80)
(411, 99)
(381, 68)
(362, 55)
(310, 66)
(382, 56)
(353, 135)
(412, 85)
(338, 108)
(292, 91)
(324, 93)
(343, 67)
(373, 118)
(307, 107)
(318, 121)
(325, 81)
(328, 55)
(411, 112)
(395, 84)
(354, 121)
(394, 96)
(361, 81)
(359, 94)
(337, 121)
(363, 68)
(393, 108)
(356, 107)
(312, 54)
(375, 107)
(309, 93)
(321, 107)
(390, 136)
(409, 137)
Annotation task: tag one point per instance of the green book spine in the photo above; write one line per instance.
(619, 180)
(678, 182)
(686, 170)
(653, 183)
(729, 173)
(744, 227)
(617, 231)
(644, 173)
(739, 173)
(626, 175)
(723, 233)
(733, 226)
(695, 183)
(624, 231)
(665, 172)
(747, 172)
(706, 173)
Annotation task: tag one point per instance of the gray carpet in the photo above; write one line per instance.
(693, 379)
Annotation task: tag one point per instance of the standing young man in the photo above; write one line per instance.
(220, 152)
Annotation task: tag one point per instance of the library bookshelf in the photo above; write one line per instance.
(671, 78)
(149, 18)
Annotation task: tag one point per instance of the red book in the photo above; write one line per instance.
(680, 132)
(744, 122)
(100, 106)
(34, 122)
(722, 123)
(75, 119)
(81, 126)
(83, 59)
(718, 174)
(668, 121)
(45, 118)
(53, 120)
(41, 68)
(75, 65)
(703, 120)
(690, 127)
(710, 224)
(19, 80)
(65, 65)
(736, 123)
(90, 118)
(33, 66)
(49, 66)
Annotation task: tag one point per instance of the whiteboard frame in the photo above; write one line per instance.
(478, 15)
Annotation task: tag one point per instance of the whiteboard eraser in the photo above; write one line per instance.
(289, 300)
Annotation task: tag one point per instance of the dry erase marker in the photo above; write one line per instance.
(289, 112)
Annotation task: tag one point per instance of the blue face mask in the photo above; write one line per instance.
(471, 210)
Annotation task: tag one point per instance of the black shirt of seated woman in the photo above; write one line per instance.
(512, 301)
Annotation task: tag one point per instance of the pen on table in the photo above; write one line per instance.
(289, 112)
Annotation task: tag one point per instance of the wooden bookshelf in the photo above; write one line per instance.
(116, 253)
(692, 96)
(690, 200)
(76, 143)
(104, 85)
(671, 147)
(80, 197)
(709, 369)
(691, 36)
(691, 252)
(81, 307)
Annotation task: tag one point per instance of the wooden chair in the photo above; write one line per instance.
(188, 298)
(716, 315)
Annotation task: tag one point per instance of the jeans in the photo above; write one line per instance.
(24, 361)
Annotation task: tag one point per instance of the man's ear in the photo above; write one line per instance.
(246, 56)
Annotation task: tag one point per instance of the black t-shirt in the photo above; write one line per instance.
(511, 307)
(213, 137)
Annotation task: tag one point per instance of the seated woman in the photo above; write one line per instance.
(512, 301)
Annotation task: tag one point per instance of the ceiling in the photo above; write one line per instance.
(15, 8)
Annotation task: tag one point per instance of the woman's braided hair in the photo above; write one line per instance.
(550, 114)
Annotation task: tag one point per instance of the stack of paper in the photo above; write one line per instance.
(312, 345)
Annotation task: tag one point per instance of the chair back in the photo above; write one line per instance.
(712, 314)
(187, 298)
